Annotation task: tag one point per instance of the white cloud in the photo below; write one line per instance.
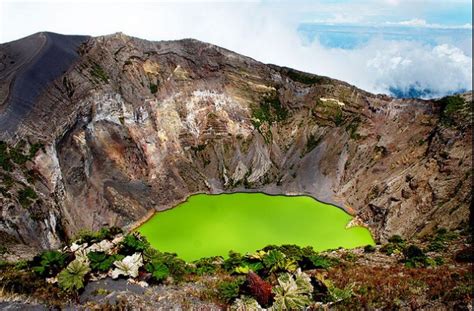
(265, 33)
(414, 22)
(418, 22)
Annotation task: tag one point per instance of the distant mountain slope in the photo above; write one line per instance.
(31, 65)
(110, 129)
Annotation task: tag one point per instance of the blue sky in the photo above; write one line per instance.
(378, 45)
(447, 12)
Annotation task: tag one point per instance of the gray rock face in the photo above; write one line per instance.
(133, 126)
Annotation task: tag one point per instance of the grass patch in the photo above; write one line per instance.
(352, 129)
(305, 78)
(312, 143)
(270, 110)
(153, 88)
(450, 107)
(26, 197)
(99, 73)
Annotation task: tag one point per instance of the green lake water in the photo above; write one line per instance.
(211, 225)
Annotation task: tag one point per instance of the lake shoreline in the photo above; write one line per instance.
(275, 219)
(133, 226)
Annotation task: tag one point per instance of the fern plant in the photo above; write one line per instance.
(71, 279)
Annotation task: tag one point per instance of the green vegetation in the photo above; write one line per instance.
(285, 277)
(312, 143)
(133, 243)
(395, 245)
(159, 270)
(352, 128)
(87, 236)
(440, 240)
(49, 263)
(153, 88)
(211, 225)
(5, 157)
(293, 292)
(414, 257)
(102, 262)
(306, 78)
(71, 279)
(268, 111)
(10, 155)
(369, 249)
(229, 290)
(99, 73)
(455, 108)
(329, 109)
(26, 197)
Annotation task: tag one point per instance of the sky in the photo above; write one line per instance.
(419, 48)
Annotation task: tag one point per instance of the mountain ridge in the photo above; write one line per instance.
(133, 126)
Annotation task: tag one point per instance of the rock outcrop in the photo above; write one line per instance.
(129, 126)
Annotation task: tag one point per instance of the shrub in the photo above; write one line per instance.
(305, 78)
(436, 246)
(390, 249)
(235, 260)
(311, 143)
(259, 289)
(335, 293)
(268, 111)
(413, 251)
(465, 255)
(49, 263)
(133, 243)
(369, 249)
(350, 256)
(396, 245)
(229, 290)
(415, 257)
(159, 271)
(71, 279)
(99, 261)
(34, 148)
(153, 88)
(396, 239)
(205, 266)
(17, 156)
(27, 196)
(275, 260)
(321, 262)
(450, 105)
(5, 157)
(90, 237)
(176, 266)
(248, 266)
(352, 128)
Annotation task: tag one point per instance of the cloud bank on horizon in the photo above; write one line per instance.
(420, 48)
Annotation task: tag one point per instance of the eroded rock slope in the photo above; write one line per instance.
(132, 126)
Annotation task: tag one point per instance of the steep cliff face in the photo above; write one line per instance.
(132, 126)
